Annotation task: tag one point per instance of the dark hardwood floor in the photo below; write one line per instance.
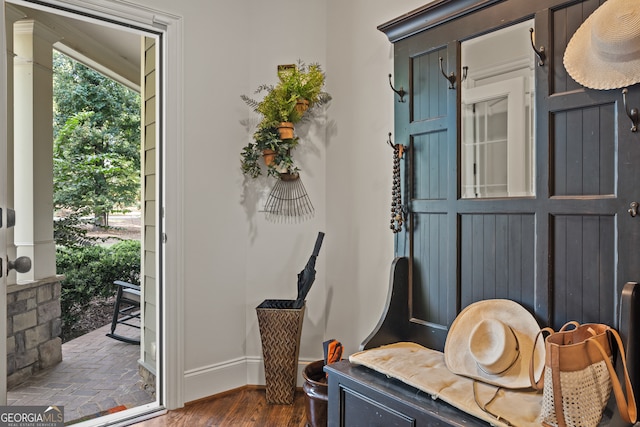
(246, 406)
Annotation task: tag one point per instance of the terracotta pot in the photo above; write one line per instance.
(317, 393)
(302, 105)
(286, 130)
(268, 156)
(289, 176)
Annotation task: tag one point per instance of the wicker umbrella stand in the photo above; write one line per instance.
(280, 329)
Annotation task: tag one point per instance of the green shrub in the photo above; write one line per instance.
(89, 274)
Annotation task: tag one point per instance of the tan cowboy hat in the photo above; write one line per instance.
(492, 341)
(604, 53)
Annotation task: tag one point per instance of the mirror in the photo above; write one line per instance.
(497, 126)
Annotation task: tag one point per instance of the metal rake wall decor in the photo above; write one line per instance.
(288, 200)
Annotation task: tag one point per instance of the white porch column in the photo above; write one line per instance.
(11, 16)
(33, 147)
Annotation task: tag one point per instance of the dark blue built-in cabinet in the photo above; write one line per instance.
(517, 182)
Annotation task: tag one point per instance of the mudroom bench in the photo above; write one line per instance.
(360, 396)
(517, 181)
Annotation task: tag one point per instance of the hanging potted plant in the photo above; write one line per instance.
(275, 152)
(278, 109)
(305, 83)
(298, 91)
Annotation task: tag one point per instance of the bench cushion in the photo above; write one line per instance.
(425, 369)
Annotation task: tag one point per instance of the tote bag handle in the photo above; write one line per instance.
(539, 384)
(626, 406)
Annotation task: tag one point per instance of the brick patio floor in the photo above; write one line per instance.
(96, 374)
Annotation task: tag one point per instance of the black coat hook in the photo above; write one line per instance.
(401, 93)
(539, 52)
(631, 113)
(401, 147)
(451, 77)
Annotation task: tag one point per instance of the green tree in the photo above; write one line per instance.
(96, 141)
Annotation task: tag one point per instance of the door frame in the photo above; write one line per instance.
(169, 162)
(3, 206)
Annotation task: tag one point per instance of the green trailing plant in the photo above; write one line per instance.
(297, 84)
(276, 107)
(304, 82)
(267, 138)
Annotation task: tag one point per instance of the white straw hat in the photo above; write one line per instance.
(492, 341)
(604, 53)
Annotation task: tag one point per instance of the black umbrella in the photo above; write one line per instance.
(307, 276)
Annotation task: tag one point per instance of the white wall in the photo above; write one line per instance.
(235, 258)
(359, 165)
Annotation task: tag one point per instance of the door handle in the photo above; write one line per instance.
(633, 209)
(21, 264)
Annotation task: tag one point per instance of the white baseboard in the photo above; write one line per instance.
(213, 379)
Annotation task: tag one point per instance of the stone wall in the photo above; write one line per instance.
(148, 379)
(33, 329)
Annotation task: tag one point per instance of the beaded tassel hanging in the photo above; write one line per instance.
(396, 192)
(288, 200)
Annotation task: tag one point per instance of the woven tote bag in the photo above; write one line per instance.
(579, 376)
